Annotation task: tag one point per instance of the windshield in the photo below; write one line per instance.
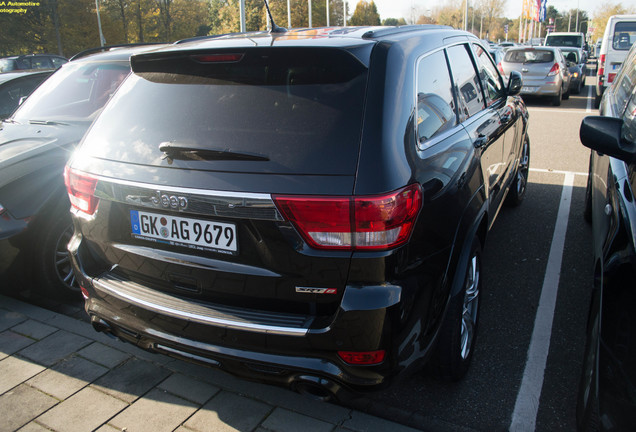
(77, 92)
(565, 40)
(529, 56)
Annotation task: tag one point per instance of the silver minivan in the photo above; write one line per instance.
(620, 34)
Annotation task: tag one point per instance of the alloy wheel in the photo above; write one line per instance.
(471, 303)
(63, 267)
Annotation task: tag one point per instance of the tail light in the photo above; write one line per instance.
(354, 223)
(555, 70)
(362, 357)
(601, 66)
(81, 190)
(500, 67)
(610, 77)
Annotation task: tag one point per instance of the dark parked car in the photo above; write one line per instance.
(31, 61)
(35, 143)
(299, 209)
(17, 85)
(577, 67)
(607, 391)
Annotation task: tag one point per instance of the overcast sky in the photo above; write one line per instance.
(403, 8)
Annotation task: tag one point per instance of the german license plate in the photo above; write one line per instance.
(187, 232)
(528, 89)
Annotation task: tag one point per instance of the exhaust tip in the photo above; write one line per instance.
(315, 388)
(101, 326)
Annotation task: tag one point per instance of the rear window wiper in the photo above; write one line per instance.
(179, 151)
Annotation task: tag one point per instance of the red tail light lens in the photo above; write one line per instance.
(555, 70)
(354, 223)
(500, 67)
(362, 357)
(601, 65)
(610, 77)
(217, 58)
(81, 190)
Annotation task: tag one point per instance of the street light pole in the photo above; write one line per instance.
(102, 40)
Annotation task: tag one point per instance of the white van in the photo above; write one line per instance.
(619, 36)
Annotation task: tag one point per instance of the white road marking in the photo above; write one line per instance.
(558, 110)
(524, 417)
(551, 171)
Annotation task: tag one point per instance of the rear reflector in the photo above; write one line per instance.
(84, 293)
(81, 190)
(354, 223)
(362, 357)
(610, 77)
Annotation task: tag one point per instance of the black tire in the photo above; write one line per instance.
(520, 184)
(587, 409)
(458, 333)
(566, 95)
(556, 100)
(53, 272)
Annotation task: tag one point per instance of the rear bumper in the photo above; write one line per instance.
(283, 349)
(540, 88)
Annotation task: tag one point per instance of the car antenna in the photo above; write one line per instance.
(275, 28)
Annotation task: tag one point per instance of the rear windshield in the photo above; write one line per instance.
(529, 56)
(624, 35)
(274, 110)
(565, 40)
(571, 56)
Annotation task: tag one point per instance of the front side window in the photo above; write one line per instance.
(435, 103)
(467, 84)
(624, 35)
(490, 79)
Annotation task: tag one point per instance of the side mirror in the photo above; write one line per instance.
(515, 82)
(603, 134)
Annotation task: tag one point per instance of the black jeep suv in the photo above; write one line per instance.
(306, 208)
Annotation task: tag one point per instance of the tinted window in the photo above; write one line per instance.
(58, 61)
(467, 84)
(435, 104)
(76, 92)
(12, 92)
(625, 82)
(565, 40)
(299, 108)
(490, 79)
(529, 56)
(6, 65)
(41, 62)
(624, 35)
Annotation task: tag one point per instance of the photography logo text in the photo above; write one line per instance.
(16, 7)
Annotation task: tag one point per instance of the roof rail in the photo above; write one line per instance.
(401, 29)
(108, 48)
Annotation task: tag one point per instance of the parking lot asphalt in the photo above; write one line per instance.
(57, 373)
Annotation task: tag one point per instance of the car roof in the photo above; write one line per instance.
(337, 37)
(8, 76)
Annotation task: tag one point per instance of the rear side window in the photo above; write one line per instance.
(624, 35)
(467, 84)
(435, 104)
(7, 65)
(626, 81)
(529, 56)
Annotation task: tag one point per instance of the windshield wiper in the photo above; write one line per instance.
(183, 152)
(47, 122)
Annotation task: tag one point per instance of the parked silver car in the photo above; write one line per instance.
(544, 71)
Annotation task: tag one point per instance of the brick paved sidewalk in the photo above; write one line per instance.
(57, 373)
